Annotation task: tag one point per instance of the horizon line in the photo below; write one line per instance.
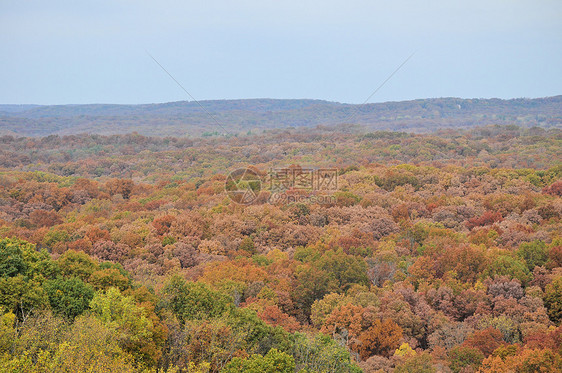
(283, 99)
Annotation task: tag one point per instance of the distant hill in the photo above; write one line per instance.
(185, 118)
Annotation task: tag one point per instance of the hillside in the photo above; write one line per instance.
(234, 116)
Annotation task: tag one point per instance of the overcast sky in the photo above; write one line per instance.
(59, 52)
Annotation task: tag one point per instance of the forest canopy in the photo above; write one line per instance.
(439, 252)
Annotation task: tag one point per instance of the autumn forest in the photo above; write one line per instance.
(436, 252)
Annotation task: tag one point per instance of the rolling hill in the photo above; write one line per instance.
(219, 117)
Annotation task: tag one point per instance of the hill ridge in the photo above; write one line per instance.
(180, 118)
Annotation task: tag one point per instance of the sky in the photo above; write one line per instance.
(77, 52)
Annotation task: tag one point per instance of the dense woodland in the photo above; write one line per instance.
(441, 252)
(235, 117)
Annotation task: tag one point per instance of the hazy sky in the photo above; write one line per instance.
(58, 52)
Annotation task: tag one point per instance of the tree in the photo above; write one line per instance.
(69, 297)
(22, 271)
(487, 218)
(120, 186)
(345, 321)
(134, 328)
(88, 346)
(449, 335)
(273, 362)
(7, 332)
(416, 363)
(195, 300)
(311, 284)
(555, 257)
(248, 245)
(12, 261)
(21, 295)
(507, 265)
(320, 353)
(554, 189)
(322, 308)
(204, 341)
(487, 340)
(533, 253)
(525, 360)
(43, 218)
(553, 300)
(463, 356)
(273, 316)
(345, 269)
(107, 250)
(381, 338)
(109, 276)
(77, 264)
(502, 286)
(162, 224)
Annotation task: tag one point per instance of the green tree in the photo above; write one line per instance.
(77, 264)
(321, 353)
(11, 258)
(21, 295)
(461, 357)
(312, 284)
(248, 245)
(259, 336)
(69, 297)
(507, 265)
(195, 300)
(533, 253)
(273, 362)
(345, 269)
(7, 332)
(553, 300)
(87, 346)
(134, 328)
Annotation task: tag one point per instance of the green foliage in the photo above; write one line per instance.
(312, 284)
(19, 257)
(510, 266)
(7, 332)
(273, 362)
(133, 327)
(77, 264)
(461, 357)
(259, 336)
(394, 179)
(261, 260)
(345, 269)
(320, 353)
(553, 300)
(346, 198)
(533, 253)
(55, 236)
(248, 245)
(69, 297)
(324, 273)
(11, 258)
(168, 240)
(86, 346)
(195, 300)
(21, 295)
(23, 269)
